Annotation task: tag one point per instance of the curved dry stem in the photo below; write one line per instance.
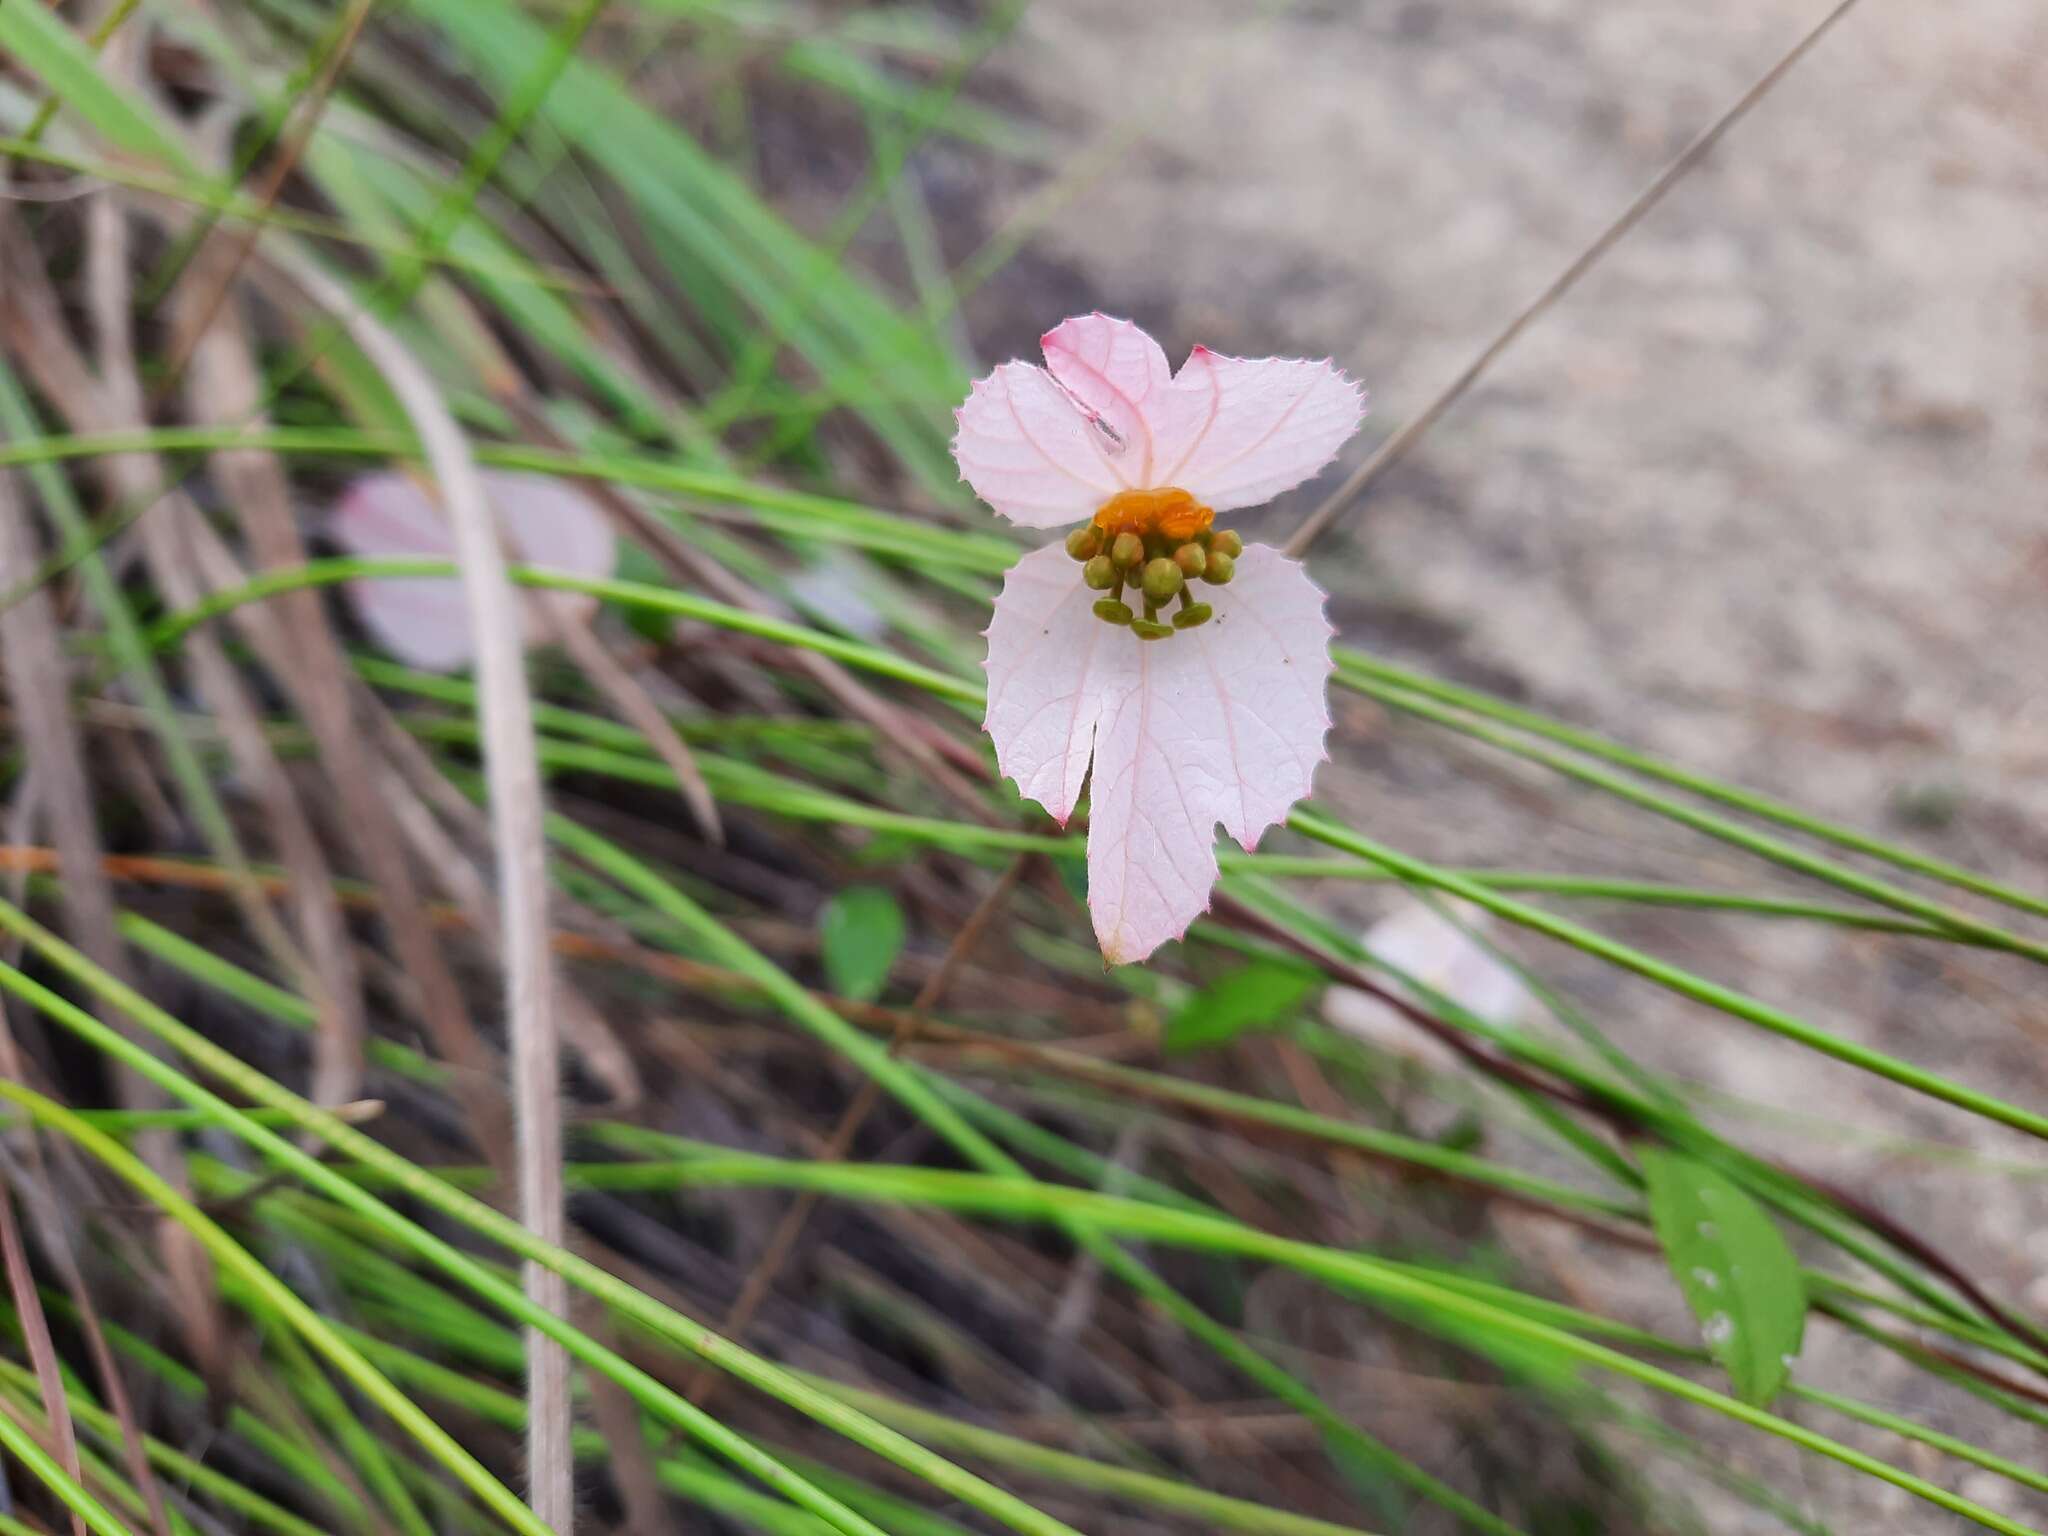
(512, 773)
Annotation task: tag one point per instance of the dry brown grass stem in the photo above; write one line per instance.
(512, 777)
(611, 678)
(42, 1348)
(33, 326)
(193, 314)
(856, 1114)
(38, 681)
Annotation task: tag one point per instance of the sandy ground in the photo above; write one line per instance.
(1765, 494)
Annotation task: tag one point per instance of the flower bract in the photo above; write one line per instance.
(1187, 669)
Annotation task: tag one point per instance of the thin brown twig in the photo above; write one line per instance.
(1396, 447)
(42, 1349)
(1625, 1122)
(197, 319)
(1493, 1063)
(1912, 1348)
(935, 755)
(610, 677)
(1918, 1248)
(784, 1239)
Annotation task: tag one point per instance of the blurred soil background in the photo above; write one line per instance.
(1764, 494)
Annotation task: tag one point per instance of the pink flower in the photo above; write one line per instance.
(1190, 668)
(1430, 954)
(425, 622)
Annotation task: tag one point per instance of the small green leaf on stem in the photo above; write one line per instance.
(1254, 996)
(860, 933)
(1738, 1274)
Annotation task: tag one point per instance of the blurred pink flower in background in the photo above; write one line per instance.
(424, 622)
(1432, 953)
(1211, 711)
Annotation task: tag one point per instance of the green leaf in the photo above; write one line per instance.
(1251, 997)
(1738, 1273)
(60, 57)
(861, 931)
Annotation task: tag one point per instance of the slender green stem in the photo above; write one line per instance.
(22, 1445)
(1357, 1273)
(1355, 663)
(911, 1089)
(1673, 979)
(1948, 1445)
(682, 605)
(1720, 827)
(1385, 1144)
(273, 1295)
(433, 1192)
(946, 1431)
(779, 510)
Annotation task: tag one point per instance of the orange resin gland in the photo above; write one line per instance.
(1168, 512)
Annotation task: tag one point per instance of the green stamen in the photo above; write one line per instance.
(1162, 580)
(1157, 571)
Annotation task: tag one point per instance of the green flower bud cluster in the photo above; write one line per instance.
(1157, 572)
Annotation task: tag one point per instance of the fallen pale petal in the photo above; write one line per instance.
(552, 524)
(1419, 942)
(1224, 723)
(425, 622)
(422, 622)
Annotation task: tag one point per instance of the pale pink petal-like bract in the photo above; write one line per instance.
(1246, 429)
(1030, 451)
(422, 622)
(425, 622)
(1117, 371)
(1051, 665)
(1048, 448)
(1220, 718)
(1224, 723)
